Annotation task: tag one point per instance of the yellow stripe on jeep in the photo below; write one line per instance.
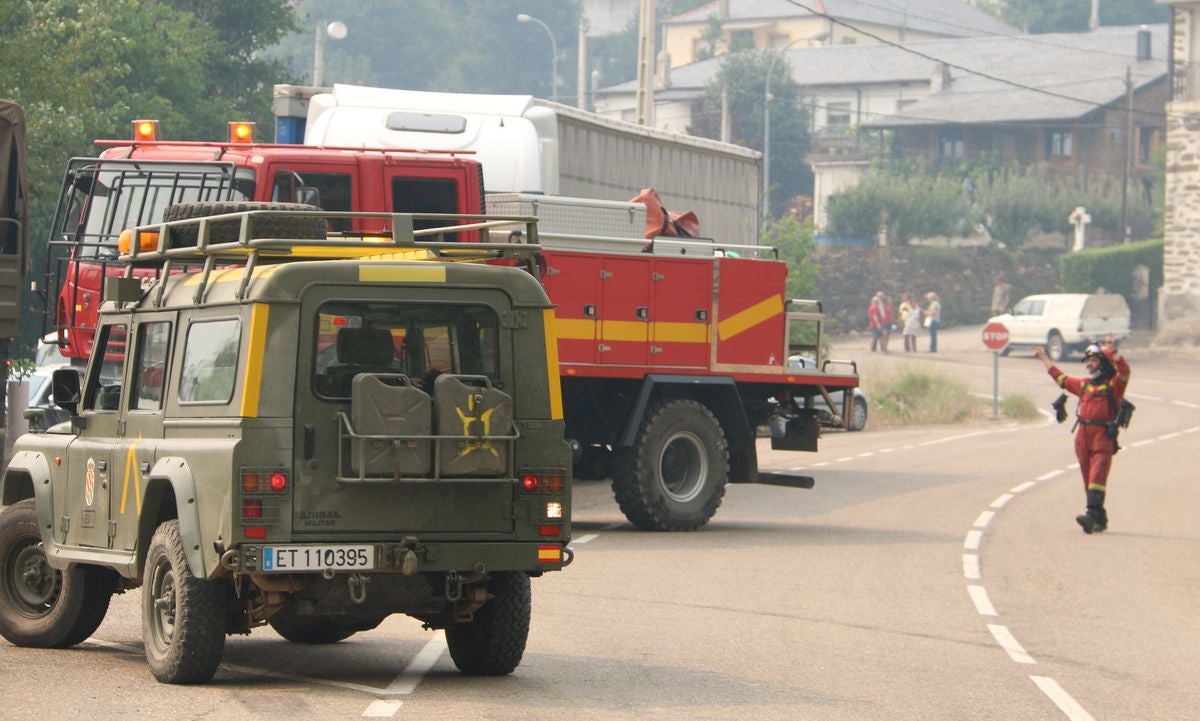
(551, 330)
(752, 316)
(401, 274)
(255, 355)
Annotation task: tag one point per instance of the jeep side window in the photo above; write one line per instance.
(104, 387)
(210, 361)
(416, 339)
(150, 368)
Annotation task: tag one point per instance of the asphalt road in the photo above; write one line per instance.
(933, 573)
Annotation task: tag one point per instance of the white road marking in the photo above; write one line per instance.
(865, 454)
(798, 468)
(1009, 643)
(1142, 397)
(1193, 429)
(1169, 436)
(1048, 476)
(910, 445)
(382, 709)
(1146, 442)
(984, 519)
(1185, 404)
(983, 604)
(971, 566)
(1074, 466)
(971, 543)
(959, 437)
(846, 458)
(416, 669)
(822, 463)
(1062, 699)
(886, 450)
(584, 539)
(1002, 501)
(1022, 487)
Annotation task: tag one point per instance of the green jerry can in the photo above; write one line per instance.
(393, 422)
(475, 426)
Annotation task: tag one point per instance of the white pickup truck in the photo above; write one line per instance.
(1065, 322)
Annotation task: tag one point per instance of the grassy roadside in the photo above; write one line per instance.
(910, 395)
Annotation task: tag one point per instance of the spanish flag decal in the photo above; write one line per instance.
(549, 554)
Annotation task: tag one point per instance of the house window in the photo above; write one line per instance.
(1058, 143)
(837, 115)
(950, 144)
(1147, 140)
(741, 40)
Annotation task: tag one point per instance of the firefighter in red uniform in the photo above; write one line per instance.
(1100, 395)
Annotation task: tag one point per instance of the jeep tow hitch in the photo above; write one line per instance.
(358, 588)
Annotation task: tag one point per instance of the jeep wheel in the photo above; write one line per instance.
(674, 475)
(183, 617)
(42, 607)
(493, 642)
(1056, 350)
(314, 630)
(272, 226)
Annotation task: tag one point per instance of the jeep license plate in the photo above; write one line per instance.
(317, 558)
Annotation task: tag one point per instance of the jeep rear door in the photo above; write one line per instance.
(419, 333)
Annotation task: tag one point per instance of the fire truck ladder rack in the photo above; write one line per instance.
(397, 241)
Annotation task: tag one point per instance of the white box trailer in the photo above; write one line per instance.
(527, 145)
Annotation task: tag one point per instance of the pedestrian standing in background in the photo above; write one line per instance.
(933, 318)
(875, 320)
(1100, 395)
(1000, 293)
(889, 321)
(912, 322)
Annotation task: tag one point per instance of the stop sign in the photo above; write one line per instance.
(995, 336)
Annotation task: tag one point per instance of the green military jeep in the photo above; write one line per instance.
(312, 433)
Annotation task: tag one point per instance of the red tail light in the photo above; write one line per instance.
(252, 508)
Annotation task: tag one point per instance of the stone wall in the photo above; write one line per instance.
(962, 277)
(1179, 298)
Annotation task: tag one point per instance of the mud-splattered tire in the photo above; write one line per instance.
(673, 477)
(41, 607)
(313, 630)
(272, 226)
(183, 617)
(493, 643)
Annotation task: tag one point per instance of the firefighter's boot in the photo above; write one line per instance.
(1096, 518)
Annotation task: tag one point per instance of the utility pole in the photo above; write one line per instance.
(645, 64)
(581, 70)
(1094, 20)
(1128, 161)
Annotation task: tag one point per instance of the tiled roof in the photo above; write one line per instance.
(953, 18)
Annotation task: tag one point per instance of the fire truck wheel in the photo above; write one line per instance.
(314, 630)
(674, 475)
(275, 226)
(41, 607)
(493, 643)
(183, 617)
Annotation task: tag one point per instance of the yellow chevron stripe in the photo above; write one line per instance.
(752, 316)
(556, 405)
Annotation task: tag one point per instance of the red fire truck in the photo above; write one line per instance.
(673, 353)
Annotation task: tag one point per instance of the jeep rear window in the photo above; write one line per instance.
(419, 340)
(210, 361)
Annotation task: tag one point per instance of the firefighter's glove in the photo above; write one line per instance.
(1060, 408)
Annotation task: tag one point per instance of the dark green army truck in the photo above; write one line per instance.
(312, 432)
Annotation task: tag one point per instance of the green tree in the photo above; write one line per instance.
(745, 74)
(1052, 16)
(794, 241)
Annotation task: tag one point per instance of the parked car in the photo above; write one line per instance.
(827, 416)
(1063, 323)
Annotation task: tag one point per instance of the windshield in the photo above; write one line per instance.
(105, 197)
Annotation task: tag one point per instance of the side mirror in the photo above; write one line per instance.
(65, 388)
(308, 195)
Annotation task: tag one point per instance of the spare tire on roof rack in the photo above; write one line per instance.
(301, 227)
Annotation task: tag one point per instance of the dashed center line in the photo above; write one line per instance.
(984, 519)
(1009, 643)
(983, 604)
(1062, 699)
(971, 566)
(1048, 476)
(1022, 487)
(1002, 501)
(972, 541)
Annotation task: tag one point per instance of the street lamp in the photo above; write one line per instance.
(523, 18)
(766, 189)
(335, 30)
